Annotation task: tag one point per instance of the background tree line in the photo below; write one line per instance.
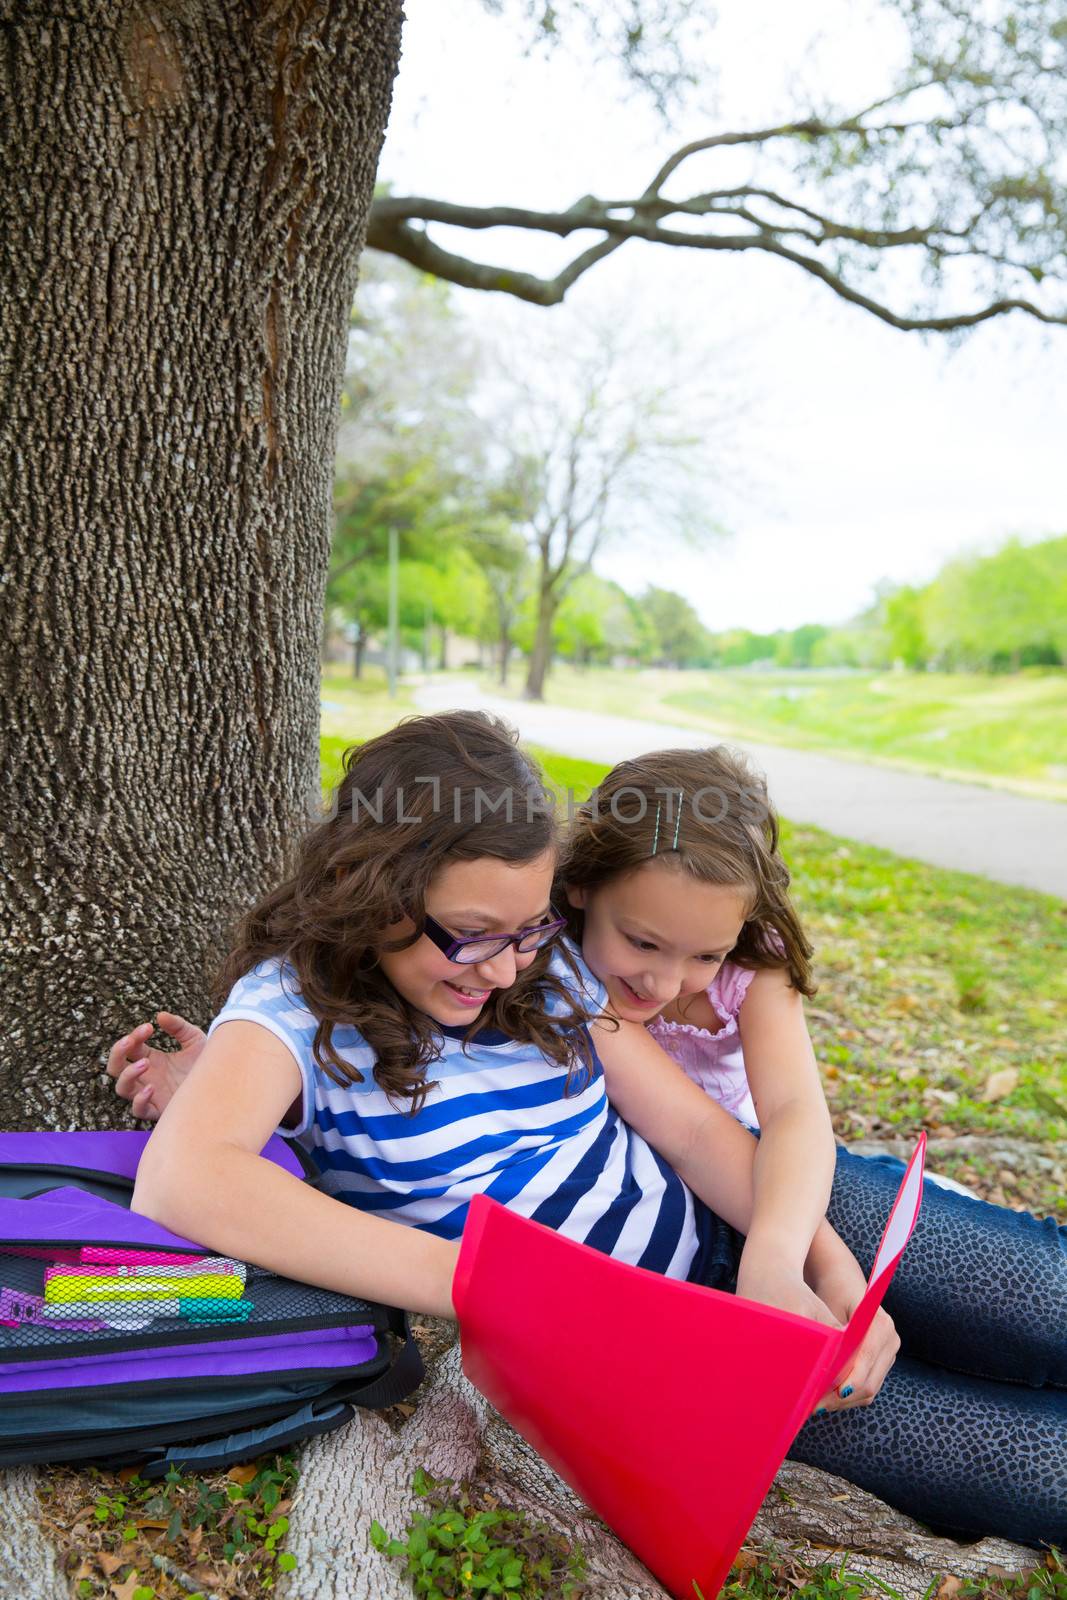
(993, 613)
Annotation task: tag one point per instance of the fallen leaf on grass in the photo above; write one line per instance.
(125, 1591)
(1000, 1084)
(208, 1577)
(948, 1587)
(744, 1561)
(244, 1473)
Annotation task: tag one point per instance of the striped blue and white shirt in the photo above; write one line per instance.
(496, 1122)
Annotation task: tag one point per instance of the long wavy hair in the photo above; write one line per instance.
(432, 791)
(707, 814)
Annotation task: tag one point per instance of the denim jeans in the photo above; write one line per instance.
(969, 1431)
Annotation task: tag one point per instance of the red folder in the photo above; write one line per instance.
(667, 1406)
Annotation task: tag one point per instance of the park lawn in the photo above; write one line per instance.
(941, 1005)
(1008, 730)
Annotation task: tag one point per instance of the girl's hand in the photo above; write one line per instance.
(868, 1368)
(149, 1078)
(775, 1282)
(831, 1300)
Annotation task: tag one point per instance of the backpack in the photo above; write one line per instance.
(124, 1344)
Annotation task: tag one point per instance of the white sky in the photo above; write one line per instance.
(862, 453)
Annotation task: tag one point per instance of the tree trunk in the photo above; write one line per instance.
(359, 647)
(503, 657)
(541, 654)
(442, 654)
(185, 198)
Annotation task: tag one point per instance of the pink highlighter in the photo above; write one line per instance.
(170, 1267)
(126, 1257)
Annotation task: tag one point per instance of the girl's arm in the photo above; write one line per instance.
(794, 1164)
(709, 1150)
(202, 1175)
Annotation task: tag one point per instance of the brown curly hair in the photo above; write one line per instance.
(706, 812)
(432, 791)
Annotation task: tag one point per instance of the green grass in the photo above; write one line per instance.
(466, 1545)
(183, 1537)
(1010, 730)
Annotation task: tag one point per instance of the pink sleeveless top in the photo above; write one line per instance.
(715, 1061)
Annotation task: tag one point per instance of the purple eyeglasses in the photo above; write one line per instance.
(483, 947)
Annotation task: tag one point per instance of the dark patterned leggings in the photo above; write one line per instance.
(969, 1431)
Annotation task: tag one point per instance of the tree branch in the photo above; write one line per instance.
(390, 231)
(398, 227)
(415, 246)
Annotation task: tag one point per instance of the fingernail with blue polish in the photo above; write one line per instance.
(820, 1411)
(846, 1391)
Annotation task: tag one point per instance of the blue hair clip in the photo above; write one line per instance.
(655, 836)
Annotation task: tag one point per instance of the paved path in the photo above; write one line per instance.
(1005, 837)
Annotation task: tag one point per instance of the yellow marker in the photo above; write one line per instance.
(62, 1287)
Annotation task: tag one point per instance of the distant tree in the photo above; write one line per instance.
(682, 639)
(904, 627)
(499, 547)
(411, 453)
(740, 648)
(599, 452)
(595, 622)
(420, 501)
(1002, 611)
(797, 647)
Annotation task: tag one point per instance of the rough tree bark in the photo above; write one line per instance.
(185, 199)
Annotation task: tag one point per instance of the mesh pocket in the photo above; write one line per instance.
(85, 1299)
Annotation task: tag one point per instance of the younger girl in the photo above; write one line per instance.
(679, 898)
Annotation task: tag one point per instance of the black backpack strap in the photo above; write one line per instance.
(405, 1374)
